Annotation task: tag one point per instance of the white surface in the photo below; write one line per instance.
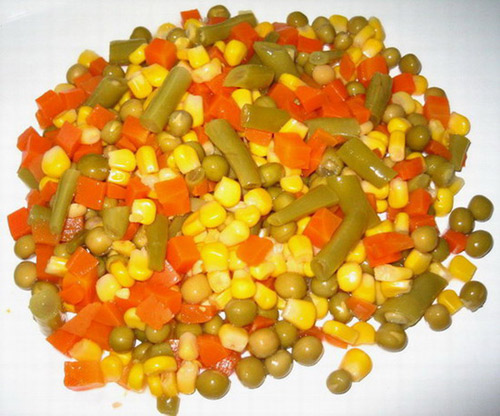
(450, 373)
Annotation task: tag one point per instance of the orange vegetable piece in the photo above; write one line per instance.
(408, 169)
(182, 253)
(42, 235)
(437, 108)
(68, 137)
(211, 350)
(403, 82)
(259, 137)
(90, 193)
(347, 67)
(321, 227)
(367, 68)
(362, 309)
(196, 314)
(100, 116)
(134, 131)
(80, 323)
(456, 241)
(162, 52)
(292, 150)
(173, 195)
(18, 223)
(109, 314)
(63, 341)
(153, 312)
(439, 149)
(81, 262)
(419, 202)
(83, 375)
(310, 98)
(382, 245)
(254, 250)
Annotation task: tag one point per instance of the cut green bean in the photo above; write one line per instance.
(115, 221)
(275, 57)
(210, 34)
(119, 50)
(166, 100)
(272, 37)
(176, 225)
(352, 198)
(458, 147)
(319, 197)
(77, 241)
(345, 127)
(420, 181)
(62, 200)
(263, 118)
(108, 92)
(410, 307)
(378, 95)
(157, 236)
(345, 238)
(325, 57)
(27, 177)
(223, 136)
(39, 214)
(252, 77)
(361, 159)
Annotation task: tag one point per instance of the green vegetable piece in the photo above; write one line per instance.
(234, 150)
(28, 178)
(345, 127)
(210, 34)
(325, 57)
(119, 50)
(38, 214)
(252, 77)
(46, 307)
(157, 236)
(168, 96)
(115, 221)
(378, 96)
(410, 307)
(263, 118)
(275, 57)
(76, 241)
(359, 157)
(458, 147)
(62, 200)
(108, 92)
(319, 197)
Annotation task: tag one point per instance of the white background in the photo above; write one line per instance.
(450, 373)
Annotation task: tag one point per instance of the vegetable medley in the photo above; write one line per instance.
(230, 196)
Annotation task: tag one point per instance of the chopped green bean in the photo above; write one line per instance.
(272, 37)
(263, 118)
(115, 221)
(157, 236)
(275, 57)
(210, 34)
(39, 213)
(345, 127)
(62, 200)
(420, 181)
(176, 225)
(378, 95)
(252, 77)
(119, 50)
(27, 177)
(108, 92)
(325, 57)
(458, 147)
(77, 241)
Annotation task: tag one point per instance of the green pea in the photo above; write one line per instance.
(212, 327)
(356, 23)
(425, 238)
(324, 288)
(161, 349)
(417, 137)
(481, 208)
(241, 312)
(263, 342)
(279, 364)
(290, 285)
(343, 41)
(132, 107)
(410, 64)
(271, 173)
(283, 233)
(283, 200)
(391, 337)
(287, 333)
(111, 131)
(265, 101)
(98, 241)
(93, 166)
(355, 88)
(24, 247)
(25, 275)
(438, 317)
(393, 111)
(121, 339)
(198, 148)
(168, 405)
(218, 11)
(339, 381)
(479, 243)
(325, 33)
(435, 92)
(212, 384)
(391, 56)
(111, 70)
(461, 220)
(141, 352)
(251, 372)
(442, 250)
(216, 167)
(179, 123)
(297, 19)
(175, 34)
(338, 307)
(319, 21)
(417, 119)
(473, 294)
(141, 32)
(180, 328)
(75, 71)
(157, 335)
(307, 350)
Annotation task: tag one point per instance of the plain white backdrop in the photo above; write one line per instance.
(451, 373)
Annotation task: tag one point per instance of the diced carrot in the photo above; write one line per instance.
(153, 312)
(259, 137)
(136, 190)
(97, 66)
(419, 202)
(90, 84)
(211, 350)
(437, 108)
(162, 52)
(408, 169)
(81, 262)
(50, 104)
(417, 221)
(87, 149)
(403, 82)
(18, 223)
(68, 138)
(182, 253)
(291, 150)
(456, 241)
(227, 365)
(99, 333)
(367, 68)
(260, 322)
(288, 35)
(115, 191)
(386, 244)
(347, 67)
(439, 149)
(43, 253)
(361, 309)
(80, 323)
(73, 98)
(168, 277)
(196, 314)
(357, 108)
(132, 229)
(134, 131)
(63, 341)
(245, 33)
(254, 250)
(72, 294)
(310, 98)
(100, 116)
(308, 45)
(109, 314)
(190, 14)
(173, 195)
(42, 234)
(321, 227)
(83, 375)
(90, 192)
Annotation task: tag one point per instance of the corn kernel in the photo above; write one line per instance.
(140, 86)
(437, 131)
(83, 112)
(227, 192)
(186, 158)
(220, 300)
(154, 384)
(123, 159)
(279, 263)
(55, 162)
(233, 338)
(212, 214)
(68, 116)
(381, 205)
(90, 135)
(300, 313)
(136, 377)
(87, 57)
(291, 81)
(385, 226)
(450, 300)
(366, 333)
(339, 22)
(138, 265)
(86, 350)
(375, 144)
(146, 160)
(250, 215)
(123, 247)
(398, 123)
(321, 305)
(106, 287)
(461, 268)
(242, 97)
(198, 56)
(264, 297)
(404, 100)
(341, 331)
(390, 273)
(235, 263)
(262, 271)
(392, 289)
(47, 179)
(440, 270)
(263, 29)
(301, 248)
(207, 72)
(138, 56)
(456, 185)
(292, 184)
(132, 71)
(243, 286)
(188, 347)
(259, 151)
(356, 55)
(366, 289)
(215, 257)
(159, 364)
(417, 261)
(379, 296)
(377, 27)
(124, 357)
(56, 266)
(112, 368)
(443, 203)
(397, 146)
(302, 224)
(132, 319)
(458, 124)
(380, 193)
(363, 35)
(259, 198)
(143, 211)
(219, 281)
(193, 104)
(193, 226)
(235, 233)
(307, 32)
(155, 74)
(75, 210)
(402, 223)
(295, 126)
(398, 193)
(349, 276)
(235, 52)
(357, 363)
(169, 384)
(420, 84)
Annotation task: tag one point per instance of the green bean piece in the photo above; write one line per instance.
(234, 150)
(275, 57)
(176, 225)
(420, 181)
(141, 32)
(28, 178)
(210, 34)
(77, 241)
(360, 158)
(345, 238)
(410, 307)
(351, 196)
(378, 95)
(263, 118)
(319, 197)
(458, 147)
(119, 50)
(46, 308)
(325, 57)
(38, 214)
(62, 200)
(168, 96)
(345, 127)
(115, 221)
(252, 77)
(157, 236)
(108, 92)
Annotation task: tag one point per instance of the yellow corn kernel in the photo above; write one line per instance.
(404, 100)
(243, 286)
(227, 192)
(154, 384)
(86, 350)
(264, 297)
(383, 138)
(47, 179)
(377, 26)
(301, 248)
(366, 289)
(233, 338)
(279, 263)
(193, 226)
(321, 305)
(123, 159)
(450, 300)
(357, 363)
(169, 384)
(302, 224)
(419, 108)
(123, 293)
(250, 215)
(390, 273)
(349, 276)
(259, 198)
(417, 261)
(235, 233)
(166, 174)
(456, 185)
(366, 333)
(136, 378)
(186, 158)
(443, 203)
(263, 29)
(461, 268)
(402, 223)
(458, 124)
(398, 123)
(398, 193)
(207, 72)
(198, 56)
(146, 160)
(339, 22)
(397, 146)
(220, 300)
(57, 266)
(68, 116)
(86, 57)
(235, 263)
(381, 205)
(292, 184)
(300, 313)
(307, 32)
(55, 162)
(143, 211)
(219, 281)
(363, 36)
(112, 368)
(124, 357)
(215, 257)
(341, 331)
(83, 112)
(138, 56)
(374, 143)
(295, 126)
(308, 270)
(140, 86)
(356, 54)
(193, 104)
(163, 30)
(132, 70)
(159, 364)
(260, 151)
(106, 287)
(155, 74)
(385, 226)
(291, 81)
(366, 127)
(440, 270)
(294, 266)
(138, 265)
(242, 96)
(212, 214)
(123, 247)
(262, 271)
(379, 296)
(392, 289)
(380, 193)
(437, 131)
(220, 45)
(235, 52)
(149, 98)
(420, 84)
(90, 135)
(132, 319)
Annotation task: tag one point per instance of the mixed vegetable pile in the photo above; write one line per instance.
(229, 196)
